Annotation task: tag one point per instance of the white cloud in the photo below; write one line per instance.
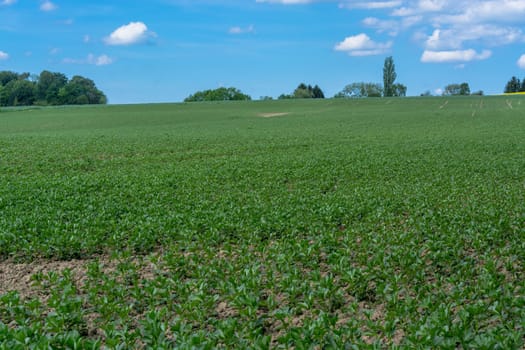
(362, 45)
(86, 39)
(454, 56)
(521, 62)
(47, 6)
(101, 60)
(3, 56)
(240, 30)
(132, 33)
(444, 28)
(7, 2)
(455, 37)
(392, 27)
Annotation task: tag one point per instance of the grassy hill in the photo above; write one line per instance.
(374, 222)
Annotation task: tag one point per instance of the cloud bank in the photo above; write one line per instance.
(446, 30)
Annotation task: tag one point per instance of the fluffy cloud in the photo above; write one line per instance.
(47, 6)
(129, 34)
(454, 56)
(7, 2)
(521, 62)
(362, 45)
(3, 56)
(101, 60)
(445, 29)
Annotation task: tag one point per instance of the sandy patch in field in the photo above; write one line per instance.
(271, 115)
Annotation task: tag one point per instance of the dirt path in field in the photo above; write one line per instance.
(272, 115)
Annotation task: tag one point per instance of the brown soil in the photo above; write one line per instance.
(18, 277)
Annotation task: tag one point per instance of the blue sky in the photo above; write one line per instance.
(164, 50)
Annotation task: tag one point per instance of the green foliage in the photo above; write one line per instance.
(220, 94)
(389, 78)
(514, 85)
(361, 223)
(359, 90)
(47, 89)
(399, 90)
(303, 91)
(462, 89)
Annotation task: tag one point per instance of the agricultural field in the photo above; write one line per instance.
(304, 224)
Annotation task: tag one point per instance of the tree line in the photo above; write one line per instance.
(389, 89)
(514, 85)
(47, 89)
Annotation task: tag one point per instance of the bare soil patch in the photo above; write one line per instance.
(18, 276)
(272, 115)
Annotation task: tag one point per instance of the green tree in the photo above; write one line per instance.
(400, 90)
(220, 94)
(389, 77)
(305, 91)
(462, 89)
(80, 90)
(18, 93)
(513, 85)
(361, 89)
(7, 76)
(48, 87)
(317, 92)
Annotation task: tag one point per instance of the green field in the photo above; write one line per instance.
(324, 224)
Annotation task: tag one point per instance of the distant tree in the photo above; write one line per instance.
(48, 87)
(7, 76)
(513, 85)
(478, 93)
(307, 91)
(220, 94)
(389, 77)
(426, 94)
(317, 92)
(266, 98)
(358, 90)
(19, 93)
(303, 91)
(399, 90)
(462, 89)
(285, 97)
(80, 90)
